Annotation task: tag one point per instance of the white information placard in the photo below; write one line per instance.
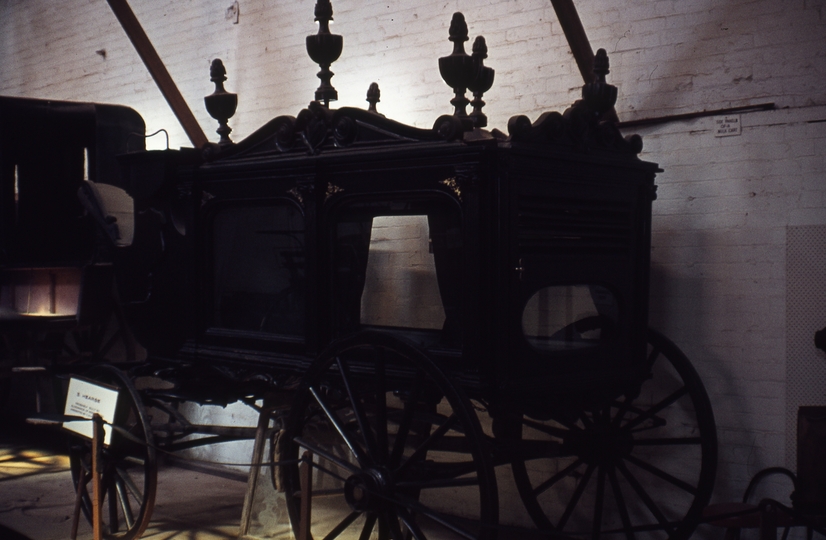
(727, 126)
(86, 398)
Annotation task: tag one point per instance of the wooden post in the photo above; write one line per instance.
(577, 39)
(158, 71)
(257, 456)
(78, 500)
(306, 474)
(97, 442)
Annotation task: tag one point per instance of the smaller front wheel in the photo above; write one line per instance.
(129, 470)
(398, 450)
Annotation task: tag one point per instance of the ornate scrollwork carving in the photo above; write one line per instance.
(295, 192)
(586, 124)
(345, 131)
(453, 185)
(449, 128)
(332, 189)
(285, 133)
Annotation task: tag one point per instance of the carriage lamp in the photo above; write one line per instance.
(40, 292)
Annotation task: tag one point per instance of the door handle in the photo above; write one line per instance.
(520, 269)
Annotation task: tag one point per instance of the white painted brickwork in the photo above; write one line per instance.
(719, 272)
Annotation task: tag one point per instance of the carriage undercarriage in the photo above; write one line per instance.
(399, 450)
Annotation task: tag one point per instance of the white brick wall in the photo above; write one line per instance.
(719, 274)
(719, 269)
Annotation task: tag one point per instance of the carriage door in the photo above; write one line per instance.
(258, 269)
(575, 275)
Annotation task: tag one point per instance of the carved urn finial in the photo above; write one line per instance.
(598, 94)
(373, 95)
(459, 70)
(324, 48)
(482, 83)
(221, 104)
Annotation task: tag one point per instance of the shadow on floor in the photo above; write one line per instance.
(8, 534)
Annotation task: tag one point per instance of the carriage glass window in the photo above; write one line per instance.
(258, 269)
(569, 317)
(396, 264)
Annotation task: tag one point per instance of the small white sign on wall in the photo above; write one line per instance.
(727, 126)
(86, 398)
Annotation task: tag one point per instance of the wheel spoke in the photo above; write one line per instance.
(670, 399)
(652, 507)
(549, 430)
(422, 449)
(369, 524)
(126, 478)
(338, 529)
(110, 490)
(128, 516)
(410, 522)
(685, 486)
(599, 502)
(333, 418)
(392, 525)
(381, 406)
(623, 409)
(575, 497)
(358, 411)
(439, 483)
(621, 506)
(437, 517)
(317, 450)
(407, 421)
(544, 486)
(668, 441)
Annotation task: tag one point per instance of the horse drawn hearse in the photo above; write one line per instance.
(515, 341)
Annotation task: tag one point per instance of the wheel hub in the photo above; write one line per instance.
(365, 491)
(600, 444)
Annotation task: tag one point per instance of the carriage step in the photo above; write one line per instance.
(29, 369)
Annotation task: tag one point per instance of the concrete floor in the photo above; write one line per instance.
(36, 495)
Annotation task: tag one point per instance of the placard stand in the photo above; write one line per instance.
(97, 443)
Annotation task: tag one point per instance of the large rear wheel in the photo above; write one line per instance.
(639, 466)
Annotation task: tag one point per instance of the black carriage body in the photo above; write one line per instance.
(47, 147)
(51, 271)
(274, 252)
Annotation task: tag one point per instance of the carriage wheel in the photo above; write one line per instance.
(642, 465)
(398, 450)
(129, 470)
